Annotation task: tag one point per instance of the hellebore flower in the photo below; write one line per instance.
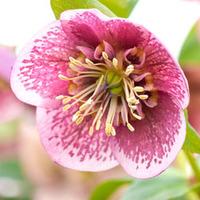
(107, 92)
(9, 105)
(7, 59)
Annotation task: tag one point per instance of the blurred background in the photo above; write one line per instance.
(26, 171)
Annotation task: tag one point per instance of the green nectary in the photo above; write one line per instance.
(114, 81)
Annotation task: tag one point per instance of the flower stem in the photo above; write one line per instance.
(193, 164)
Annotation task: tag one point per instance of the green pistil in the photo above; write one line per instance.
(114, 81)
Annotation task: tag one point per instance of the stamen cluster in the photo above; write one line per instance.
(105, 89)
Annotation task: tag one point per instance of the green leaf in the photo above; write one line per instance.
(169, 185)
(121, 8)
(192, 193)
(192, 141)
(11, 168)
(190, 53)
(184, 197)
(195, 188)
(58, 6)
(106, 189)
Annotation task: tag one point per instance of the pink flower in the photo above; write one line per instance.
(9, 105)
(107, 92)
(7, 59)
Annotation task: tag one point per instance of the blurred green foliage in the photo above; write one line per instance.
(169, 185)
(8, 130)
(11, 168)
(192, 141)
(107, 188)
(122, 8)
(11, 174)
(190, 53)
(58, 6)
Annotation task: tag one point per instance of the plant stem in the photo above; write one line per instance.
(193, 164)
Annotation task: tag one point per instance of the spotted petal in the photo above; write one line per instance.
(125, 35)
(86, 25)
(34, 78)
(167, 74)
(93, 27)
(155, 143)
(70, 145)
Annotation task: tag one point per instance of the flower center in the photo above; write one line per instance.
(114, 82)
(106, 91)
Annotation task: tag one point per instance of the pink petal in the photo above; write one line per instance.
(167, 74)
(88, 52)
(70, 145)
(156, 141)
(86, 25)
(124, 34)
(93, 27)
(7, 59)
(34, 78)
(106, 47)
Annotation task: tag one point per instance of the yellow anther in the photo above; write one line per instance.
(105, 55)
(79, 120)
(62, 77)
(74, 61)
(133, 107)
(86, 104)
(130, 127)
(115, 62)
(66, 100)
(136, 116)
(113, 132)
(89, 62)
(129, 70)
(72, 66)
(133, 100)
(66, 107)
(75, 116)
(143, 97)
(108, 129)
(60, 97)
(71, 59)
(138, 89)
(91, 130)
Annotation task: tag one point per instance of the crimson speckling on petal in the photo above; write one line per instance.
(107, 92)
